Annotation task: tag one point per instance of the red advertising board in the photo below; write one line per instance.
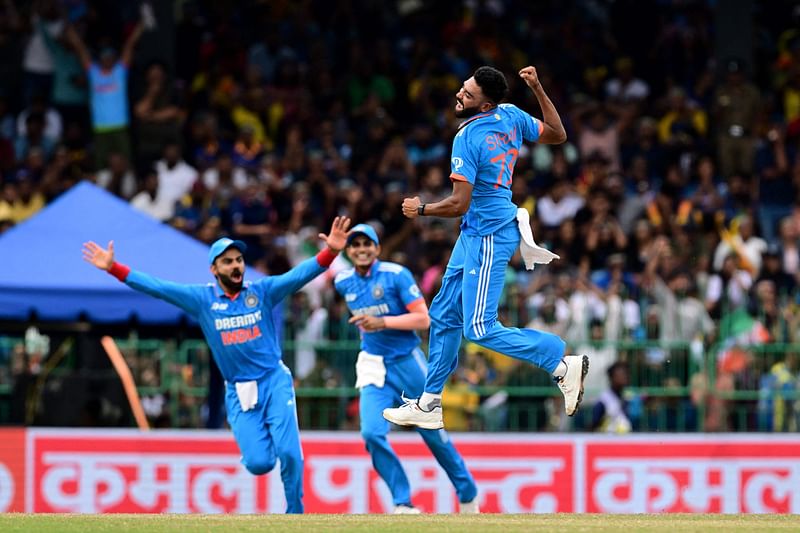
(695, 475)
(131, 472)
(12, 470)
(188, 472)
(108, 471)
(512, 476)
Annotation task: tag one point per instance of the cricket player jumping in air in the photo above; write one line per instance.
(236, 319)
(387, 306)
(492, 228)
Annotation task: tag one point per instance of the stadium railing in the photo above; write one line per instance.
(6, 375)
(674, 387)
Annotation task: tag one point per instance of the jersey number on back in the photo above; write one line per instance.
(502, 159)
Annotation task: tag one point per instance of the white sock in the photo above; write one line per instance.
(428, 401)
(561, 370)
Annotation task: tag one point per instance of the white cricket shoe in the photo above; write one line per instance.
(411, 414)
(571, 384)
(470, 507)
(406, 509)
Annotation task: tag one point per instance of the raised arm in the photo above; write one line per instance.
(74, 39)
(281, 286)
(553, 132)
(184, 296)
(130, 43)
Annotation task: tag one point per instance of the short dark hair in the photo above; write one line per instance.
(492, 82)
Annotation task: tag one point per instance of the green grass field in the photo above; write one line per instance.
(401, 524)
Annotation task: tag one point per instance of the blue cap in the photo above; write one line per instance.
(363, 229)
(219, 247)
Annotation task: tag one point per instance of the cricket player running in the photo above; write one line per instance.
(236, 319)
(485, 150)
(387, 306)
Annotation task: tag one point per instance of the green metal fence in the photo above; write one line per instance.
(7, 345)
(673, 387)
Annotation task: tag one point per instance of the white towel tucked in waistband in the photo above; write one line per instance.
(247, 391)
(370, 370)
(532, 253)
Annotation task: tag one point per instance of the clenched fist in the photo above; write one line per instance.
(410, 206)
(530, 76)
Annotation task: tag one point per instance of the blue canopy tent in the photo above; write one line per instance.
(44, 272)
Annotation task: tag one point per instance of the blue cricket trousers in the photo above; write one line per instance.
(269, 431)
(407, 375)
(466, 305)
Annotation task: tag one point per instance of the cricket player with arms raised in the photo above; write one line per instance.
(485, 150)
(236, 319)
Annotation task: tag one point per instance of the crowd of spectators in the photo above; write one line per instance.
(674, 203)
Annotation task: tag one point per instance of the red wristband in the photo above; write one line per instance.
(326, 257)
(119, 271)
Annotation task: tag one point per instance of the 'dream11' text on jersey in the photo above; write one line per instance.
(240, 330)
(387, 290)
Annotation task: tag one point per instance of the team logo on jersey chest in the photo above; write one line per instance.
(377, 292)
(251, 300)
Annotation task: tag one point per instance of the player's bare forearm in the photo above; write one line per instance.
(554, 132)
(453, 206)
(406, 322)
(449, 208)
(416, 318)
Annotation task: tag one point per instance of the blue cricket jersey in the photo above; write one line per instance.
(386, 290)
(485, 150)
(239, 331)
(109, 100)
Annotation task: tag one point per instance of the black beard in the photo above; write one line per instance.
(228, 285)
(467, 112)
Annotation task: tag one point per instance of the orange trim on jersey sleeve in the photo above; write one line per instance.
(458, 177)
(418, 306)
(541, 127)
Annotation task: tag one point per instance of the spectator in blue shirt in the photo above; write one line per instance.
(108, 87)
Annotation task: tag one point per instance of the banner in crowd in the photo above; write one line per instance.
(125, 471)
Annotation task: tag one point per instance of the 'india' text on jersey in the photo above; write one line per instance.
(239, 330)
